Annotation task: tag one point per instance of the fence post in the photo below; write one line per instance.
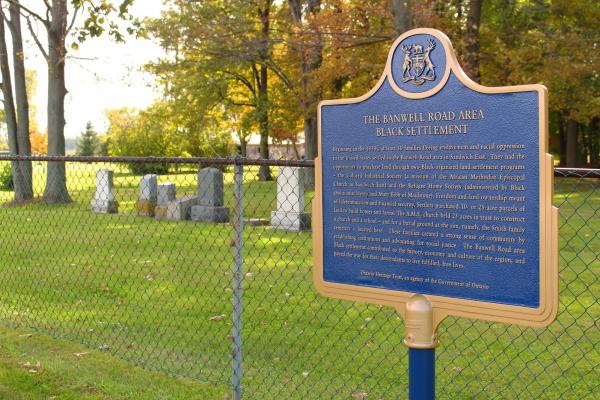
(421, 340)
(238, 242)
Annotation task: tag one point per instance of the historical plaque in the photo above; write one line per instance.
(433, 184)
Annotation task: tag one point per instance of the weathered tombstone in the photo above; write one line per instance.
(166, 192)
(148, 195)
(104, 201)
(210, 197)
(290, 213)
(181, 209)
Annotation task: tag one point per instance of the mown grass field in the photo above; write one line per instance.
(136, 292)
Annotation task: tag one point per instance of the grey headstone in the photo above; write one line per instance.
(181, 209)
(290, 213)
(210, 197)
(166, 192)
(104, 200)
(210, 214)
(148, 193)
(210, 187)
(148, 187)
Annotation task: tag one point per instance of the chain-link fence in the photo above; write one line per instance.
(208, 276)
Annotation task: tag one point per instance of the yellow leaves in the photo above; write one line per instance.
(32, 368)
(219, 317)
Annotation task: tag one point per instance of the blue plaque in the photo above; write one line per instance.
(432, 184)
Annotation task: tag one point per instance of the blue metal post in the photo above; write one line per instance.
(421, 340)
(421, 374)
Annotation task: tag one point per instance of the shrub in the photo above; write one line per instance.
(6, 179)
(143, 169)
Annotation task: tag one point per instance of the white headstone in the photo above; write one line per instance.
(290, 213)
(104, 200)
(290, 189)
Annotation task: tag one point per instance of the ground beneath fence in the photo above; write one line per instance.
(34, 366)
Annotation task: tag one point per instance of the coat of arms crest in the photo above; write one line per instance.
(417, 67)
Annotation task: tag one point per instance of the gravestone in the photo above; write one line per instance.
(166, 192)
(104, 201)
(148, 195)
(181, 209)
(210, 197)
(290, 213)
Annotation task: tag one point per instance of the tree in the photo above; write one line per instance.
(402, 14)
(39, 143)
(220, 54)
(552, 43)
(154, 132)
(88, 143)
(17, 118)
(310, 52)
(55, 20)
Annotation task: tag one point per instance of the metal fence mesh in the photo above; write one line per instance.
(159, 292)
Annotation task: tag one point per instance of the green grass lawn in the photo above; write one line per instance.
(36, 367)
(157, 294)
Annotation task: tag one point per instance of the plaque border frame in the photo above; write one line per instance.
(449, 306)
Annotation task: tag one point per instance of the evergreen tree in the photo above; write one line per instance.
(88, 143)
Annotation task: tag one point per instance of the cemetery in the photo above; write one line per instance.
(159, 200)
(303, 199)
(277, 282)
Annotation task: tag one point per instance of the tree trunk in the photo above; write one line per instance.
(311, 59)
(243, 147)
(402, 14)
(572, 133)
(56, 181)
(563, 141)
(595, 142)
(26, 191)
(263, 122)
(10, 114)
(584, 149)
(263, 94)
(471, 65)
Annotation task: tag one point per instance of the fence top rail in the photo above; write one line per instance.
(165, 160)
(559, 172)
(577, 172)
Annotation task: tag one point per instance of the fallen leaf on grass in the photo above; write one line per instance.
(217, 317)
(32, 368)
